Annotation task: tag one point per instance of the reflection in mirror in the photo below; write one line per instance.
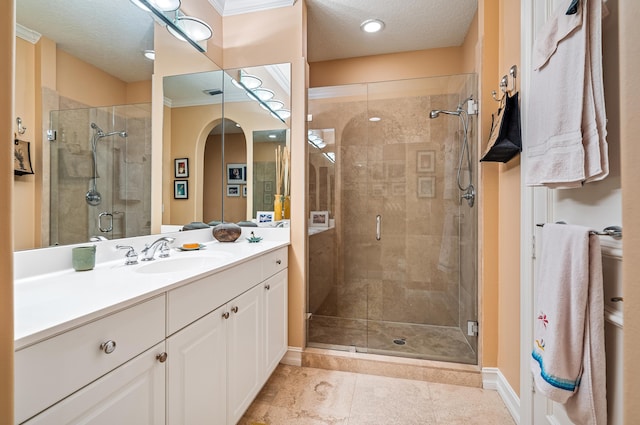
(93, 86)
(322, 170)
(213, 111)
(265, 144)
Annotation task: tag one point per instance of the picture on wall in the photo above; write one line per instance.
(181, 167)
(180, 189)
(244, 191)
(236, 173)
(319, 219)
(233, 190)
(264, 216)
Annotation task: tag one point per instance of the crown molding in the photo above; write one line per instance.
(27, 34)
(237, 7)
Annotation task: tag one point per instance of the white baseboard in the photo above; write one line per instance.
(493, 379)
(293, 357)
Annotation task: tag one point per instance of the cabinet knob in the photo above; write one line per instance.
(267, 287)
(225, 315)
(234, 309)
(162, 357)
(108, 347)
(278, 262)
(617, 299)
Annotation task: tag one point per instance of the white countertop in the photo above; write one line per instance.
(50, 303)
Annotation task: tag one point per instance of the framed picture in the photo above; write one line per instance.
(425, 162)
(180, 189)
(181, 167)
(426, 187)
(264, 216)
(268, 186)
(236, 173)
(21, 158)
(244, 191)
(319, 219)
(233, 190)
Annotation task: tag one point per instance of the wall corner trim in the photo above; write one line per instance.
(493, 379)
(293, 357)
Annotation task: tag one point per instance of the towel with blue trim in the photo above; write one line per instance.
(568, 358)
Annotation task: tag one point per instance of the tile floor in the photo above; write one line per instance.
(307, 396)
(442, 343)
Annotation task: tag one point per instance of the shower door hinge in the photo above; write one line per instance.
(472, 328)
(51, 135)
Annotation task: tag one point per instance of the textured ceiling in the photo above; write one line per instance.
(111, 34)
(334, 26)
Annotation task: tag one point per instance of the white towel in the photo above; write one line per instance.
(566, 134)
(568, 359)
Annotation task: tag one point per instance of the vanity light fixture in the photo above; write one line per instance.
(196, 29)
(372, 25)
(262, 94)
(272, 105)
(163, 5)
(150, 54)
(281, 114)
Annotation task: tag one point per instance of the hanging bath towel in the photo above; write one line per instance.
(568, 358)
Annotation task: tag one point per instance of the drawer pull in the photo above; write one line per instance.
(225, 315)
(278, 262)
(162, 357)
(616, 299)
(108, 347)
(267, 287)
(234, 309)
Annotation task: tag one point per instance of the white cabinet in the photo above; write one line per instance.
(245, 347)
(197, 372)
(134, 393)
(275, 320)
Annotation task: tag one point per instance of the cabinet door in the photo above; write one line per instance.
(196, 373)
(134, 393)
(275, 323)
(245, 358)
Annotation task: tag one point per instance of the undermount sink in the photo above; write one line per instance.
(172, 265)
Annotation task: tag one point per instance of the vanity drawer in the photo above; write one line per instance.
(52, 369)
(275, 261)
(195, 300)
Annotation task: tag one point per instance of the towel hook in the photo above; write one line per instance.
(504, 84)
(21, 128)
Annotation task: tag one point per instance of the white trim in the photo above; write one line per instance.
(293, 357)
(493, 379)
(237, 7)
(27, 34)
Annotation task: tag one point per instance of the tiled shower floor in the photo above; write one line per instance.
(420, 341)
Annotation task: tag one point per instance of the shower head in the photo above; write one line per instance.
(102, 134)
(435, 113)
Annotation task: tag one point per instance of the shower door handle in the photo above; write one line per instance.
(110, 227)
(378, 226)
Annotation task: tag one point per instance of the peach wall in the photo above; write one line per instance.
(629, 33)
(277, 36)
(138, 92)
(7, 124)
(489, 183)
(509, 217)
(395, 66)
(25, 186)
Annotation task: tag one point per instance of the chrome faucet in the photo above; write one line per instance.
(149, 251)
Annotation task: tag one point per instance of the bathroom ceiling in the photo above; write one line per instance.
(333, 28)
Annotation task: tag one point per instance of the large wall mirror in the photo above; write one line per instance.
(228, 125)
(92, 94)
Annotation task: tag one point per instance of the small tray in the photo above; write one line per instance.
(200, 246)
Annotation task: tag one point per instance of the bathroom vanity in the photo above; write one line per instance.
(189, 339)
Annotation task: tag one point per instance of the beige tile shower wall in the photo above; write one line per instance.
(410, 276)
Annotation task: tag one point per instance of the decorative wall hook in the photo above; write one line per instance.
(504, 84)
(21, 128)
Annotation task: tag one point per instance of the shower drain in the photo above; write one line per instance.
(400, 341)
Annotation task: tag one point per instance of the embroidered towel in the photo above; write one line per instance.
(568, 359)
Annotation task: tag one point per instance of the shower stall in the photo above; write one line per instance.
(100, 173)
(393, 269)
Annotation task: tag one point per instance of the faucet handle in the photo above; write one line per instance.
(164, 250)
(131, 257)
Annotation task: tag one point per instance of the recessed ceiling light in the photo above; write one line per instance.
(372, 25)
(149, 54)
(375, 119)
(272, 136)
